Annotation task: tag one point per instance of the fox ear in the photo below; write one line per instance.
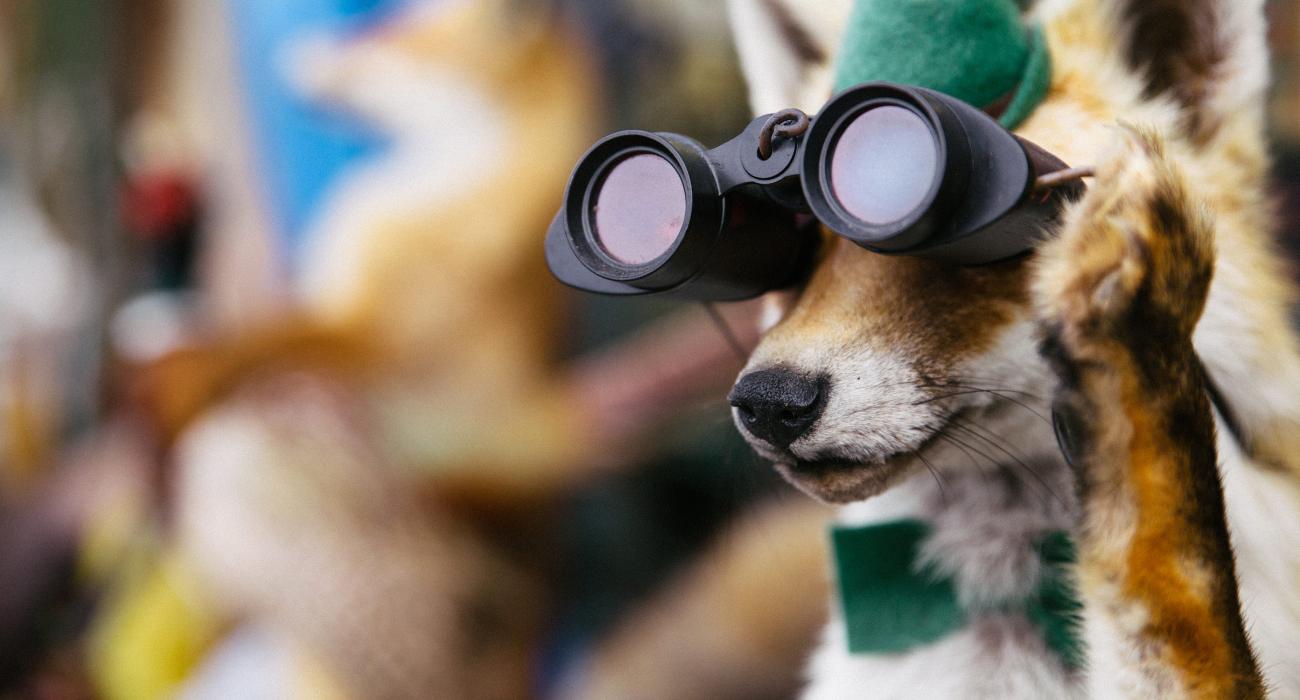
(786, 50)
(1209, 56)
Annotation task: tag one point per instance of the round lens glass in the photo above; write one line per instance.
(884, 164)
(640, 209)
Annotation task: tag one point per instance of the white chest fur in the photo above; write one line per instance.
(1000, 656)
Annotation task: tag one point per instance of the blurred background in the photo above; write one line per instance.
(289, 404)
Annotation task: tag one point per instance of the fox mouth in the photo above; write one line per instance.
(838, 479)
(831, 463)
(824, 466)
(844, 480)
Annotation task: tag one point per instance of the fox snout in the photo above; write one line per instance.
(778, 405)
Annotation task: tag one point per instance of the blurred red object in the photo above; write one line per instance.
(156, 205)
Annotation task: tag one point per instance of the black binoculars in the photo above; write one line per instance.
(898, 170)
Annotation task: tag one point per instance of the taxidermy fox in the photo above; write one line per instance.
(936, 385)
(462, 91)
(301, 450)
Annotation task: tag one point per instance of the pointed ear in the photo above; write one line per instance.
(786, 50)
(1210, 56)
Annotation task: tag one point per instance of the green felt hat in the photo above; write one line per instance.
(975, 50)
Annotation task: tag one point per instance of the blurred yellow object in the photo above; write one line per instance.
(153, 631)
(313, 680)
(120, 509)
(29, 424)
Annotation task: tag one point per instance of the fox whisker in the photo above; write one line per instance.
(990, 438)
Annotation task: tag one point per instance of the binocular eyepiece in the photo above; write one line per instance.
(897, 170)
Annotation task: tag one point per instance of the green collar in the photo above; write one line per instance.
(891, 605)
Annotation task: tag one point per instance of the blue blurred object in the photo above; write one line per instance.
(301, 148)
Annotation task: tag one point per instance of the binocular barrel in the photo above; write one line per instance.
(897, 170)
(648, 212)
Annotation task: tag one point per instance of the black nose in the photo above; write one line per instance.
(778, 405)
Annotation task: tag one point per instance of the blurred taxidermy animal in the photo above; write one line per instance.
(302, 451)
(935, 397)
(404, 250)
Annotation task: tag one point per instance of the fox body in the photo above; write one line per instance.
(936, 395)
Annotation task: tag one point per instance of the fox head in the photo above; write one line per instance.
(483, 105)
(879, 366)
(460, 59)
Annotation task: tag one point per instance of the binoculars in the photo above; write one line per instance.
(898, 170)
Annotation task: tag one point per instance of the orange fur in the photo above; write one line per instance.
(1121, 292)
(1159, 573)
(182, 385)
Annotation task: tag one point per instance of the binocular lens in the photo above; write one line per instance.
(639, 209)
(884, 164)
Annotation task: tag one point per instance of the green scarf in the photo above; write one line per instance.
(891, 605)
